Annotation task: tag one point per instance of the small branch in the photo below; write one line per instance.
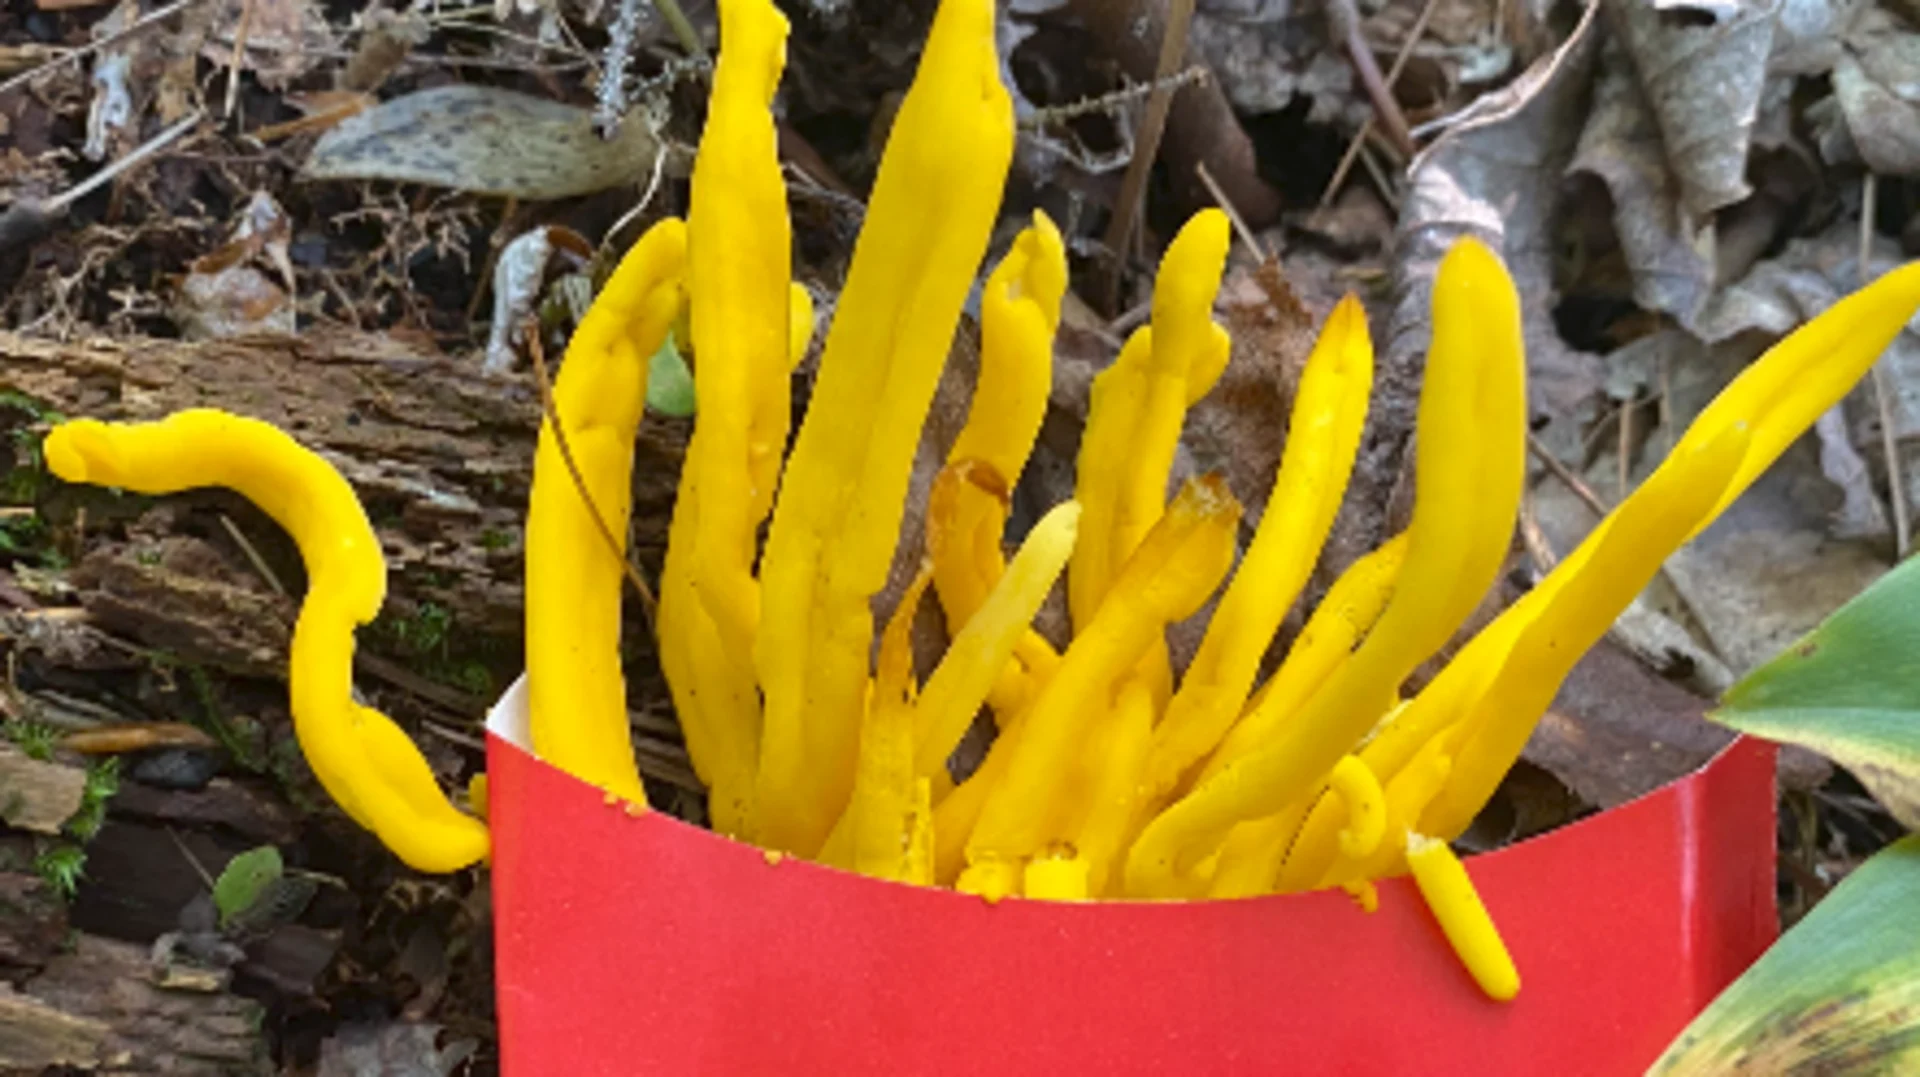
(1111, 102)
(239, 56)
(552, 413)
(1400, 58)
(1573, 482)
(1233, 214)
(1883, 386)
(1344, 22)
(258, 562)
(139, 26)
(1146, 144)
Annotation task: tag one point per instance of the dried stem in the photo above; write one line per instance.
(1400, 58)
(552, 413)
(1883, 386)
(1344, 22)
(1146, 143)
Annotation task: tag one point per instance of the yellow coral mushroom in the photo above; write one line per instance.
(1112, 774)
(362, 759)
(838, 513)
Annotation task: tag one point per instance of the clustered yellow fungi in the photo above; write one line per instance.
(1112, 775)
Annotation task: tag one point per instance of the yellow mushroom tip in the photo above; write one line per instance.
(1044, 276)
(1450, 895)
(1198, 252)
(1472, 275)
(82, 451)
(1345, 330)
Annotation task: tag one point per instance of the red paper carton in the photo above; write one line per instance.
(630, 943)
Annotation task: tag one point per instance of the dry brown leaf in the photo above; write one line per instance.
(1670, 253)
(1618, 731)
(1495, 175)
(1702, 68)
(1877, 85)
(233, 290)
(284, 38)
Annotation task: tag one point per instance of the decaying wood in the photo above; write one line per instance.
(37, 796)
(441, 456)
(97, 1009)
(35, 1036)
(33, 924)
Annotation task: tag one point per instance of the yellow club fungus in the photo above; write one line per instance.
(840, 503)
(362, 759)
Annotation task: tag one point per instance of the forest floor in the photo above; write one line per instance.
(366, 295)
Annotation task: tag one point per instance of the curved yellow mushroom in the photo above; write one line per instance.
(1449, 892)
(577, 693)
(363, 760)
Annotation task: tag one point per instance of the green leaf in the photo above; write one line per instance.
(669, 382)
(1840, 993)
(246, 876)
(1850, 690)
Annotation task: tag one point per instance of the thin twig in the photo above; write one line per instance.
(1111, 101)
(1233, 213)
(1560, 471)
(1381, 180)
(1146, 144)
(139, 25)
(1883, 386)
(192, 860)
(682, 28)
(1344, 22)
(552, 413)
(496, 243)
(59, 203)
(646, 197)
(239, 54)
(1400, 58)
(1539, 547)
(253, 556)
(1623, 474)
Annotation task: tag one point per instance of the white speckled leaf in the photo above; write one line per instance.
(485, 140)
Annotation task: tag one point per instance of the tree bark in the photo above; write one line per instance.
(441, 456)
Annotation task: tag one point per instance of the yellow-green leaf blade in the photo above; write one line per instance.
(1849, 690)
(1840, 993)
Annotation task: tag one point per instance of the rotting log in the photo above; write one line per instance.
(441, 456)
(98, 1008)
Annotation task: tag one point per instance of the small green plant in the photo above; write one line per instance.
(669, 382)
(36, 739)
(245, 878)
(425, 632)
(22, 534)
(103, 781)
(215, 721)
(61, 866)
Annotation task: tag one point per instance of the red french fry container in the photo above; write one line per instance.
(630, 943)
